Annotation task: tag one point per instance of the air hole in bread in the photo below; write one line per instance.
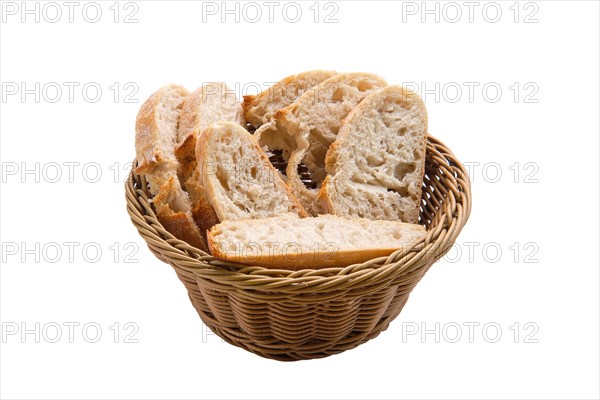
(320, 226)
(363, 86)
(402, 169)
(417, 154)
(402, 131)
(240, 236)
(338, 95)
(397, 234)
(375, 160)
(402, 191)
(254, 172)
(223, 179)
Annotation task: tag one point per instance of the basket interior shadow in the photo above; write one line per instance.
(296, 315)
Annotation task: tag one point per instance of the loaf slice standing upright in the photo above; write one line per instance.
(239, 180)
(212, 102)
(313, 122)
(375, 167)
(155, 140)
(259, 109)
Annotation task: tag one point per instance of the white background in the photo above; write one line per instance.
(544, 219)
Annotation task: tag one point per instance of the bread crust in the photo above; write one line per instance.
(180, 223)
(186, 156)
(202, 211)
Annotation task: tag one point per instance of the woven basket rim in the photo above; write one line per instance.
(372, 272)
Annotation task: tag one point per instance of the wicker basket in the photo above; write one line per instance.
(287, 315)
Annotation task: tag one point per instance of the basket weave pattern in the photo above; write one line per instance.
(294, 315)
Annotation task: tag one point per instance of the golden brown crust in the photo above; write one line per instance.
(204, 215)
(186, 155)
(189, 117)
(249, 101)
(323, 197)
(179, 223)
(202, 211)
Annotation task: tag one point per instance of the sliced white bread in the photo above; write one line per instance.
(210, 103)
(239, 180)
(259, 109)
(289, 242)
(155, 140)
(377, 162)
(156, 135)
(313, 122)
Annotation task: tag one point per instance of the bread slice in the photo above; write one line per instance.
(290, 242)
(259, 109)
(313, 122)
(210, 103)
(377, 162)
(155, 140)
(174, 211)
(239, 180)
(156, 135)
(202, 211)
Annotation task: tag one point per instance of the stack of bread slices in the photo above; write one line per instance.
(323, 169)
